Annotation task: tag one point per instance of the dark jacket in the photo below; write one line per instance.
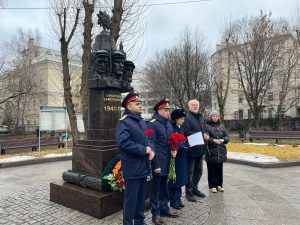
(193, 123)
(180, 162)
(216, 153)
(162, 130)
(132, 143)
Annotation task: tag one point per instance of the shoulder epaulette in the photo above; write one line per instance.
(123, 117)
(152, 121)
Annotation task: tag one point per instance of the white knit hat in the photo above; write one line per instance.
(214, 113)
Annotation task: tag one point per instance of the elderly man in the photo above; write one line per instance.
(194, 122)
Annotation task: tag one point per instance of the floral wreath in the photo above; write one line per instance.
(112, 179)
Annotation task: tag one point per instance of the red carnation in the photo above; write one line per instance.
(148, 132)
(120, 184)
(118, 176)
(174, 140)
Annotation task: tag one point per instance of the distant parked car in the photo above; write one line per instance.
(3, 129)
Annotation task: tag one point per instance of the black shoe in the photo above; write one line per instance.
(176, 206)
(191, 198)
(181, 205)
(170, 214)
(157, 220)
(198, 193)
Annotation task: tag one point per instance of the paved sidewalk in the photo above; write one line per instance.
(252, 196)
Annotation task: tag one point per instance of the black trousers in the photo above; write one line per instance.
(134, 201)
(195, 167)
(215, 174)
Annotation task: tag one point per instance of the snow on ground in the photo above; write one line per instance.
(16, 159)
(57, 155)
(252, 157)
(24, 158)
(263, 144)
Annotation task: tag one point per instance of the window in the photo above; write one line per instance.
(270, 113)
(241, 114)
(236, 115)
(282, 111)
(240, 84)
(298, 112)
(249, 114)
(270, 96)
(240, 99)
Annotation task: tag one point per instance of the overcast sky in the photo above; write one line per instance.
(164, 23)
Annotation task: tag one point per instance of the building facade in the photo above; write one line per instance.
(236, 107)
(46, 70)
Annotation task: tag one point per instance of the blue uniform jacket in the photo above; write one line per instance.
(181, 167)
(162, 130)
(132, 143)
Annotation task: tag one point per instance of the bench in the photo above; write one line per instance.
(32, 143)
(274, 135)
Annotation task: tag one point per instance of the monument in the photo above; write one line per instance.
(110, 74)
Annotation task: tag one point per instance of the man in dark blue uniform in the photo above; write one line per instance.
(136, 155)
(162, 130)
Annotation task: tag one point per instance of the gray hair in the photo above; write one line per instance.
(193, 101)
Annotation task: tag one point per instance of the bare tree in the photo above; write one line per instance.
(67, 16)
(257, 45)
(18, 80)
(284, 83)
(222, 78)
(128, 23)
(2, 3)
(182, 72)
(86, 47)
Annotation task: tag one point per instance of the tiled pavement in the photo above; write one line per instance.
(252, 196)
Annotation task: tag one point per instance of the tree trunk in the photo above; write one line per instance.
(67, 90)
(86, 47)
(116, 19)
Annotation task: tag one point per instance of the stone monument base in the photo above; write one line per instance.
(88, 201)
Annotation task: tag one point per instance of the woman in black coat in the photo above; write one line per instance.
(217, 153)
(175, 193)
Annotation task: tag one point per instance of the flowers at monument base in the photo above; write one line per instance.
(174, 140)
(115, 178)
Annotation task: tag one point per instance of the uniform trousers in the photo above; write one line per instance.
(159, 195)
(134, 201)
(215, 174)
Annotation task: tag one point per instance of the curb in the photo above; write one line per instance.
(234, 161)
(35, 161)
(265, 165)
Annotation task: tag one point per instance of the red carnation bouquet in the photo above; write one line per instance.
(174, 140)
(147, 133)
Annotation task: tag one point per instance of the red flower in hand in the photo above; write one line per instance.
(148, 132)
(175, 139)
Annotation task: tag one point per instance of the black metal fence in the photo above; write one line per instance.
(287, 123)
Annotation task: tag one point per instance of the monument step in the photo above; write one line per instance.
(92, 161)
(94, 203)
(95, 147)
(97, 142)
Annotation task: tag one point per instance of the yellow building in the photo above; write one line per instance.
(48, 91)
